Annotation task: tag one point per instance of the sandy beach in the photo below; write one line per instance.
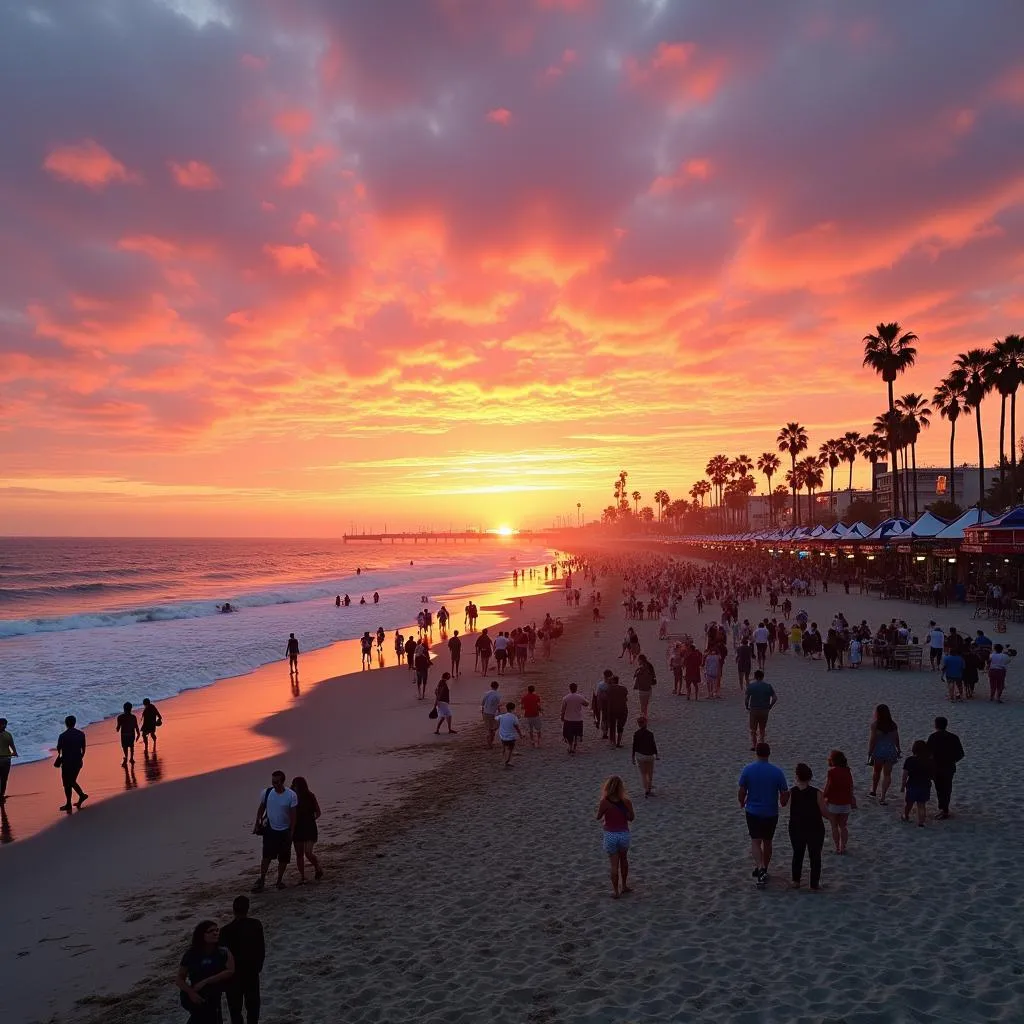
(474, 893)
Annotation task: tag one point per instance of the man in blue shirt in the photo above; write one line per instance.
(762, 788)
(70, 757)
(953, 674)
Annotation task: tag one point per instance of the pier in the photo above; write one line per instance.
(442, 537)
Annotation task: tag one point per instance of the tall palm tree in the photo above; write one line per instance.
(975, 367)
(795, 479)
(699, 491)
(768, 463)
(813, 476)
(873, 449)
(890, 352)
(636, 496)
(1008, 359)
(662, 500)
(950, 401)
(917, 416)
(850, 447)
(832, 453)
(718, 470)
(792, 438)
(623, 493)
(890, 427)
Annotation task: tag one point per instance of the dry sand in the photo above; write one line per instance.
(483, 896)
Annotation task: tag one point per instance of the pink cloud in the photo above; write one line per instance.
(294, 121)
(301, 163)
(87, 163)
(500, 115)
(295, 259)
(194, 175)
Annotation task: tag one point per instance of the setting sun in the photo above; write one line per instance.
(504, 531)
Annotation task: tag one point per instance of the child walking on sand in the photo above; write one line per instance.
(616, 809)
(917, 781)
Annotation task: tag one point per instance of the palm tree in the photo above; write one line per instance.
(1008, 360)
(917, 416)
(718, 470)
(636, 496)
(609, 513)
(873, 449)
(950, 401)
(851, 446)
(768, 463)
(662, 500)
(623, 499)
(699, 491)
(792, 438)
(975, 367)
(812, 474)
(795, 479)
(832, 454)
(890, 352)
(890, 426)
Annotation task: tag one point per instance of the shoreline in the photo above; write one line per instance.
(344, 736)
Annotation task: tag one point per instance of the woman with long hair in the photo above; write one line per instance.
(616, 809)
(840, 798)
(306, 832)
(883, 750)
(204, 969)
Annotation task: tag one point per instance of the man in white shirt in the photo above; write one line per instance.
(573, 704)
(936, 644)
(500, 653)
(489, 708)
(508, 730)
(997, 665)
(761, 643)
(275, 820)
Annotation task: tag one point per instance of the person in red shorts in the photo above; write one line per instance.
(531, 715)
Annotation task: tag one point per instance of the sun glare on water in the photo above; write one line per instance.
(504, 531)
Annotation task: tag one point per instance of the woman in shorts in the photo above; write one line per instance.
(442, 702)
(883, 750)
(840, 798)
(616, 810)
(306, 833)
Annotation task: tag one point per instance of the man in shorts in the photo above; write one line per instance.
(127, 726)
(500, 653)
(489, 708)
(693, 661)
(644, 680)
(151, 718)
(761, 643)
(292, 651)
(508, 730)
(573, 704)
(455, 650)
(275, 821)
(762, 788)
(531, 714)
(936, 645)
(759, 700)
(7, 751)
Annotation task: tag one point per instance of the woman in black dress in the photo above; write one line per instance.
(806, 826)
(204, 969)
(306, 833)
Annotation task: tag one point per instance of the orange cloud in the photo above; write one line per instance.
(194, 175)
(306, 223)
(690, 170)
(87, 163)
(677, 72)
(295, 121)
(500, 116)
(295, 259)
(300, 164)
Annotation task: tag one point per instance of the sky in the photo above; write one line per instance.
(298, 266)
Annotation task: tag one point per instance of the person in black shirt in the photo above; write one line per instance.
(917, 781)
(127, 726)
(292, 650)
(244, 938)
(645, 753)
(946, 750)
(70, 758)
(806, 825)
(204, 969)
(150, 720)
(617, 699)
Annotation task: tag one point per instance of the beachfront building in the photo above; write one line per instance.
(935, 484)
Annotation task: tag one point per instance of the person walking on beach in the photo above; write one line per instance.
(292, 651)
(759, 699)
(151, 718)
(484, 647)
(599, 703)
(998, 662)
(806, 827)
(455, 650)
(531, 714)
(645, 753)
(508, 730)
(70, 759)
(917, 782)
(936, 645)
(693, 662)
(366, 649)
(713, 673)
(442, 703)
(7, 751)
(840, 798)
(617, 698)
(946, 752)
(675, 663)
(953, 675)
(127, 726)
(762, 788)
(573, 704)
(410, 652)
(421, 661)
(883, 750)
(615, 809)
(275, 822)
(761, 641)
(305, 833)
(744, 663)
(489, 708)
(243, 937)
(644, 681)
(204, 970)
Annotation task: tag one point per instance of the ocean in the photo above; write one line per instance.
(86, 624)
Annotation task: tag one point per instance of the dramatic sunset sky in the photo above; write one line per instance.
(278, 266)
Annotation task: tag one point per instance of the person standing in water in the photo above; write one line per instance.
(615, 809)
(70, 759)
(292, 651)
(127, 726)
(151, 718)
(7, 751)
